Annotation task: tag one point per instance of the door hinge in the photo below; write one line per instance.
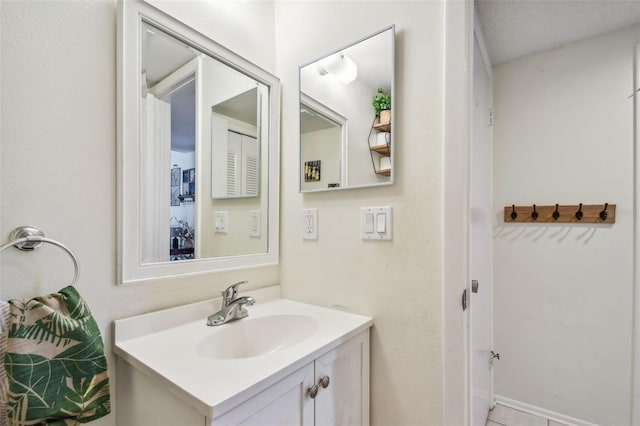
(491, 117)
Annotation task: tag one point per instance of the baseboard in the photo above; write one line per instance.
(541, 412)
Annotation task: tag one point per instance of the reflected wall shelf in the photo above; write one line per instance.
(380, 152)
(382, 149)
(382, 127)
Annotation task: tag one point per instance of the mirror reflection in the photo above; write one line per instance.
(322, 136)
(201, 162)
(346, 118)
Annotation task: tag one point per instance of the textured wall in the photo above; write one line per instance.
(398, 282)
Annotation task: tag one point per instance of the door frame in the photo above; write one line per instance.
(635, 389)
(459, 35)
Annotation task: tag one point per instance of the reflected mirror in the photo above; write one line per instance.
(199, 146)
(346, 120)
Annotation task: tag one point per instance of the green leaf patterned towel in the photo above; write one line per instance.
(55, 370)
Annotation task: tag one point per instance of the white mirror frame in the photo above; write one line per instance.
(130, 267)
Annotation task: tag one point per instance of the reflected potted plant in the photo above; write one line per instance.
(382, 106)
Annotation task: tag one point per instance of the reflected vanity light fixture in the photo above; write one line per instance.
(341, 66)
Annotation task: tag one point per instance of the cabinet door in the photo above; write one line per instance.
(286, 403)
(345, 401)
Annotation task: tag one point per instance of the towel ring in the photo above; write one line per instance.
(28, 238)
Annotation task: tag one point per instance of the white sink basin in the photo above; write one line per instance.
(250, 337)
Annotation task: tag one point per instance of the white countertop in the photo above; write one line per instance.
(163, 346)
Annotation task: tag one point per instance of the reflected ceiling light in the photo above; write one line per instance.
(341, 66)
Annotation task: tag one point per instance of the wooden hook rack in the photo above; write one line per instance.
(574, 213)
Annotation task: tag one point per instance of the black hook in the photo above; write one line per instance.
(556, 214)
(604, 214)
(513, 212)
(534, 215)
(579, 213)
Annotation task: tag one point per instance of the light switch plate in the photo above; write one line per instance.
(221, 222)
(254, 223)
(310, 224)
(380, 218)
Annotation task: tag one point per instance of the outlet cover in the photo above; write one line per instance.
(310, 224)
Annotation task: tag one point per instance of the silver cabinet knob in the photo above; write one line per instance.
(324, 382)
(313, 391)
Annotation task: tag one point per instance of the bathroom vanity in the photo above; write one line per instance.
(286, 363)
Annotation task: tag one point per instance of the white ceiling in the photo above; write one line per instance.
(517, 28)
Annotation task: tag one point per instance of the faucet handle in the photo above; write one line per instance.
(231, 292)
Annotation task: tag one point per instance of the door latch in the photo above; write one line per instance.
(464, 299)
(474, 286)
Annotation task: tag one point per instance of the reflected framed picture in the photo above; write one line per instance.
(312, 170)
(189, 182)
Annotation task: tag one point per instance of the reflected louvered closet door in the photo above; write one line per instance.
(234, 156)
(250, 166)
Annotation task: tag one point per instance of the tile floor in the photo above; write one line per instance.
(505, 416)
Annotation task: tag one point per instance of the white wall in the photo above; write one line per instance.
(563, 293)
(399, 282)
(58, 149)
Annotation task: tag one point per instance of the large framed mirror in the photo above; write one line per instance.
(346, 116)
(198, 147)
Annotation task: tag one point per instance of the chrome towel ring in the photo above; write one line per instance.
(28, 238)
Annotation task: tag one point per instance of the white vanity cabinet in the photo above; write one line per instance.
(294, 400)
(288, 363)
(287, 402)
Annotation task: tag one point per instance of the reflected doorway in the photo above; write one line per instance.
(183, 172)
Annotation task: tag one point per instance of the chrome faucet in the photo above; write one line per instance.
(232, 306)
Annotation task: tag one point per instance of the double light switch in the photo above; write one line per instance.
(375, 223)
